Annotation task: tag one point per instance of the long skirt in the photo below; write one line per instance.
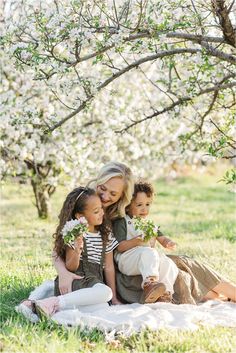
(194, 281)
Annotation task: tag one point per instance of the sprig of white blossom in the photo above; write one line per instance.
(73, 229)
(147, 226)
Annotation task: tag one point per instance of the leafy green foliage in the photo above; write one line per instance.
(147, 227)
(230, 176)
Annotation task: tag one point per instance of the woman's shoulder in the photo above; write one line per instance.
(119, 228)
(118, 221)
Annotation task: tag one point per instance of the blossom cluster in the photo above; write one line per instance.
(147, 227)
(66, 54)
(73, 229)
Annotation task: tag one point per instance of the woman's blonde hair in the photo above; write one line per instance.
(113, 170)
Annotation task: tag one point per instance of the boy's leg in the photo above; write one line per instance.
(140, 260)
(144, 261)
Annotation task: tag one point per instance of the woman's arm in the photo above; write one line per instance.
(109, 272)
(65, 277)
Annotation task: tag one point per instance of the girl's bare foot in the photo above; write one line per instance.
(28, 303)
(47, 307)
(26, 309)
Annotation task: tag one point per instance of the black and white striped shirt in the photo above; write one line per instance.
(94, 246)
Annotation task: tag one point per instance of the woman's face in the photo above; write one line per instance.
(111, 191)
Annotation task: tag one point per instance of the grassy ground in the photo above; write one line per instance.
(197, 212)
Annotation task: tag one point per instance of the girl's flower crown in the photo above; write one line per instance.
(147, 226)
(73, 229)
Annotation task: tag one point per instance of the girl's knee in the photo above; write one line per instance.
(108, 293)
(104, 291)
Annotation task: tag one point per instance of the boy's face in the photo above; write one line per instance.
(140, 206)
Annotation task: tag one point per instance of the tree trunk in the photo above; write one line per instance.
(42, 193)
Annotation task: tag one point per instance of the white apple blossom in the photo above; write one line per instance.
(65, 58)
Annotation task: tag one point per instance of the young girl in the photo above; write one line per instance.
(134, 256)
(87, 257)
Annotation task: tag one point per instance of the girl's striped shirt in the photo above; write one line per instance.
(94, 246)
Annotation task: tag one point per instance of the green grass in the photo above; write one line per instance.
(196, 211)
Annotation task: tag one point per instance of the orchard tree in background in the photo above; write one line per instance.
(146, 82)
(74, 153)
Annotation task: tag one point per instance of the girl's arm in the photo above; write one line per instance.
(73, 255)
(109, 272)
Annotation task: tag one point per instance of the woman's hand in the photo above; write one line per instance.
(65, 281)
(65, 277)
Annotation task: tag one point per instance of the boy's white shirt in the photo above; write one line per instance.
(133, 233)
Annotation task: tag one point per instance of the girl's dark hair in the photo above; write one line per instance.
(143, 186)
(74, 203)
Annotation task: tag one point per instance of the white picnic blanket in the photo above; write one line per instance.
(130, 318)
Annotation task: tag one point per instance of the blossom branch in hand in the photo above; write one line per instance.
(147, 227)
(74, 229)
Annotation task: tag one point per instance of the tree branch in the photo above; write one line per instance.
(222, 13)
(147, 34)
(120, 73)
(218, 53)
(180, 101)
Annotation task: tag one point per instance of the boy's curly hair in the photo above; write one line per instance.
(143, 186)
